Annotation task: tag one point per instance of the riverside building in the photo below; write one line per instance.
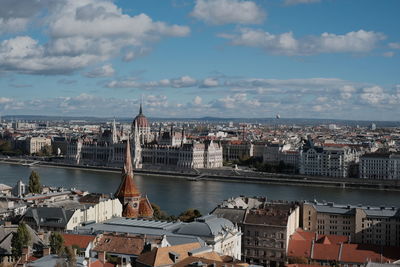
(327, 161)
(163, 150)
(380, 166)
(266, 227)
(363, 224)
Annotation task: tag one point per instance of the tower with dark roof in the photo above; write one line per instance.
(142, 125)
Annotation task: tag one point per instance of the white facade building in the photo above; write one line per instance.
(380, 166)
(219, 233)
(327, 161)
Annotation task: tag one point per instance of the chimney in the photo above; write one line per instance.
(25, 253)
(46, 251)
(101, 255)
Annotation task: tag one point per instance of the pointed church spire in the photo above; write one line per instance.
(114, 133)
(141, 102)
(128, 169)
(127, 190)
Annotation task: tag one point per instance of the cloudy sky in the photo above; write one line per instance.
(192, 58)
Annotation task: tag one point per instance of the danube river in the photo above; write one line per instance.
(177, 194)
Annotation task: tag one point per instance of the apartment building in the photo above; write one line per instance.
(266, 227)
(362, 224)
(327, 161)
(380, 166)
(235, 150)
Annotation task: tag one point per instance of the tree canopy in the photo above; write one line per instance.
(56, 243)
(34, 183)
(189, 215)
(20, 240)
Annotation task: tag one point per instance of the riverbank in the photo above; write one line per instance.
(228, 175)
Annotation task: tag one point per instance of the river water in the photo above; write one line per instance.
(174, 195)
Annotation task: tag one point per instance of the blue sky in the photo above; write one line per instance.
(192, 58)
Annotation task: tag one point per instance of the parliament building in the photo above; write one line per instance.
(168, 149)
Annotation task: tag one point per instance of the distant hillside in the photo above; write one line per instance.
(271, 121)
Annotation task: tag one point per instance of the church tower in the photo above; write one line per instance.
(134, 204)
(127, 193)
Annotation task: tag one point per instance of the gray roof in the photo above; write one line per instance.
(143, 227)
(174, 240)
(49, 216)
(51, 261)
(46, 261)
(333, 208)
(376, 264)
(206, 226)
(6, 234)
(233, 215)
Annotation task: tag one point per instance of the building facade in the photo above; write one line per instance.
(327, 161)
(380, 166)
(363, 224)
(235, 150)
(266, 227)
(169, 150)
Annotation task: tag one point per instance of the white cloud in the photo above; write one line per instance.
(219, 12)
(4, 100)
(394, 45)
(353, 42)
(82, 33)
(15, 16)
(389, 54)
(347, 91)
(197, 101)
(322, 99)
(210, 82)
(181, 82)
(296, 2)
(373, 95)
(103, 71)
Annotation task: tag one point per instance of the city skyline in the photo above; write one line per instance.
(220, 58)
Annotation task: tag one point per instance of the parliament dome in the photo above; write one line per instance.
(140, 120)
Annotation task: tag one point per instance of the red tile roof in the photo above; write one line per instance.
(129, 245)
(145, 209)
(82, 241)
(337, 248)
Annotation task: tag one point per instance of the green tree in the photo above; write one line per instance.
(19, 240)
(45, 151)
(158, 213)
(56, 243)
(189, 215)
(71, 257)
(34, 183)
(5, 146)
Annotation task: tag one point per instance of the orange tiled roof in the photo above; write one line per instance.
(82, 241)
(129, 211)
(336, 248)
(161, 256)
(145, 209)
(129, 245)
(209, 262)
(127, 187)
(364, 253)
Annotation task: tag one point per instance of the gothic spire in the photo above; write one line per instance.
(128, 169)
(127, 188)
(140, 108)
